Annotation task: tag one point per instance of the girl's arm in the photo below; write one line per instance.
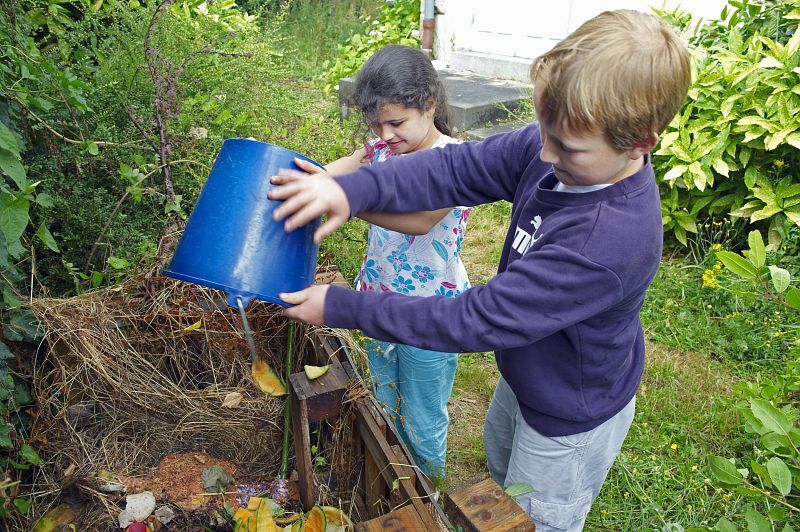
(409, 223)
(345, 165)
(412, 223)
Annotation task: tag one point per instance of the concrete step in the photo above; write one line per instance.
(473, 100)
(491, 65)
(492, 129)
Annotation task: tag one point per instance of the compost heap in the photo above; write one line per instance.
(133, 373)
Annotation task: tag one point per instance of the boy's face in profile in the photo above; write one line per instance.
(581, 159)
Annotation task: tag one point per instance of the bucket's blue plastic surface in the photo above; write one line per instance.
(231, 242)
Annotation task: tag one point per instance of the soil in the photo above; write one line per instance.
(178, 480)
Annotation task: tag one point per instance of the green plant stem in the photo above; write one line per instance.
(770, 496)
(287, 413)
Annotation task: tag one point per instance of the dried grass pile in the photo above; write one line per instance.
(128, 376)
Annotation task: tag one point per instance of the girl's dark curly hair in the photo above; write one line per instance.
(402, 75)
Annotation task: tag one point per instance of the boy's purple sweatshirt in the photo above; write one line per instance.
(562, 314)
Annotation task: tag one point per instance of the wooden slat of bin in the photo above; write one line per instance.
(403, 519)
(481, 505)
(375, 491)
(312, 401)
(302, 443)
(382, 454)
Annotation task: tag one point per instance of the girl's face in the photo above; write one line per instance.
(405, 129)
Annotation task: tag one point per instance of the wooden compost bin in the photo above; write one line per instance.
(133, 376)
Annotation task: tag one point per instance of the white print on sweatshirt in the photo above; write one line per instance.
(523, 240)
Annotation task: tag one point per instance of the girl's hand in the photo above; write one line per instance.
(307, 197)
(309, 304)
(310, 168)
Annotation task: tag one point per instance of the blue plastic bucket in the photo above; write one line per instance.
(231, 242)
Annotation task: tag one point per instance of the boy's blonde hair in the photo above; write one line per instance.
(623, 72)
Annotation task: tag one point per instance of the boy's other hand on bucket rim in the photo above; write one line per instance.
(309, 304)
(307, 197)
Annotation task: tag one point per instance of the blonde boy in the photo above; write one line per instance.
(562, 314)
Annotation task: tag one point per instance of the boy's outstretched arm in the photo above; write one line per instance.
(537, 295)
(457, 174)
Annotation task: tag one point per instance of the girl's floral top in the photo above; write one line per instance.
(417, 265)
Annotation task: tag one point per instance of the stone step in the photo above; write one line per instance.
(473, 100)
(498, 66)
(492, 129)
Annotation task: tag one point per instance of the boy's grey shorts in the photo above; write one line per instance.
(566, 472)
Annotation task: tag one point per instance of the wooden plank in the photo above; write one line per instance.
(374, 486)
(395, 499)
(403, 519)
(302, 450)
(481, 505)
(389, 470)
(422, 485)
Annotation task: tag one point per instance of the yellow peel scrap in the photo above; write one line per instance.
(266, 379)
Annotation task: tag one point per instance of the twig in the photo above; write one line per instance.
(65, 138)
(139, 126)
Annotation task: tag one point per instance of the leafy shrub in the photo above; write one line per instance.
(732, 149)
(397, 23)
(16, 454)
(769, 479)
(309, 37)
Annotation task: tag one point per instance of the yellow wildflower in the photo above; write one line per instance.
(709, 279)
(716, 247)
(674, 446)
(779, 163)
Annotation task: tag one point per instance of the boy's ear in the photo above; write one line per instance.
(645, 146)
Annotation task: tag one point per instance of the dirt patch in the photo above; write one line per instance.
(466, 458)
(178, 480)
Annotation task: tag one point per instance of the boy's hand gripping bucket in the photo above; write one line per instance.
(231, 241)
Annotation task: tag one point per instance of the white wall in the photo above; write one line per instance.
(516, 31)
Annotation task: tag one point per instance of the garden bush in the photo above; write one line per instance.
(397, 23)
(767, 479)
(734, 148)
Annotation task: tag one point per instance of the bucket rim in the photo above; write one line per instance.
(272, 146)
(229, 291)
